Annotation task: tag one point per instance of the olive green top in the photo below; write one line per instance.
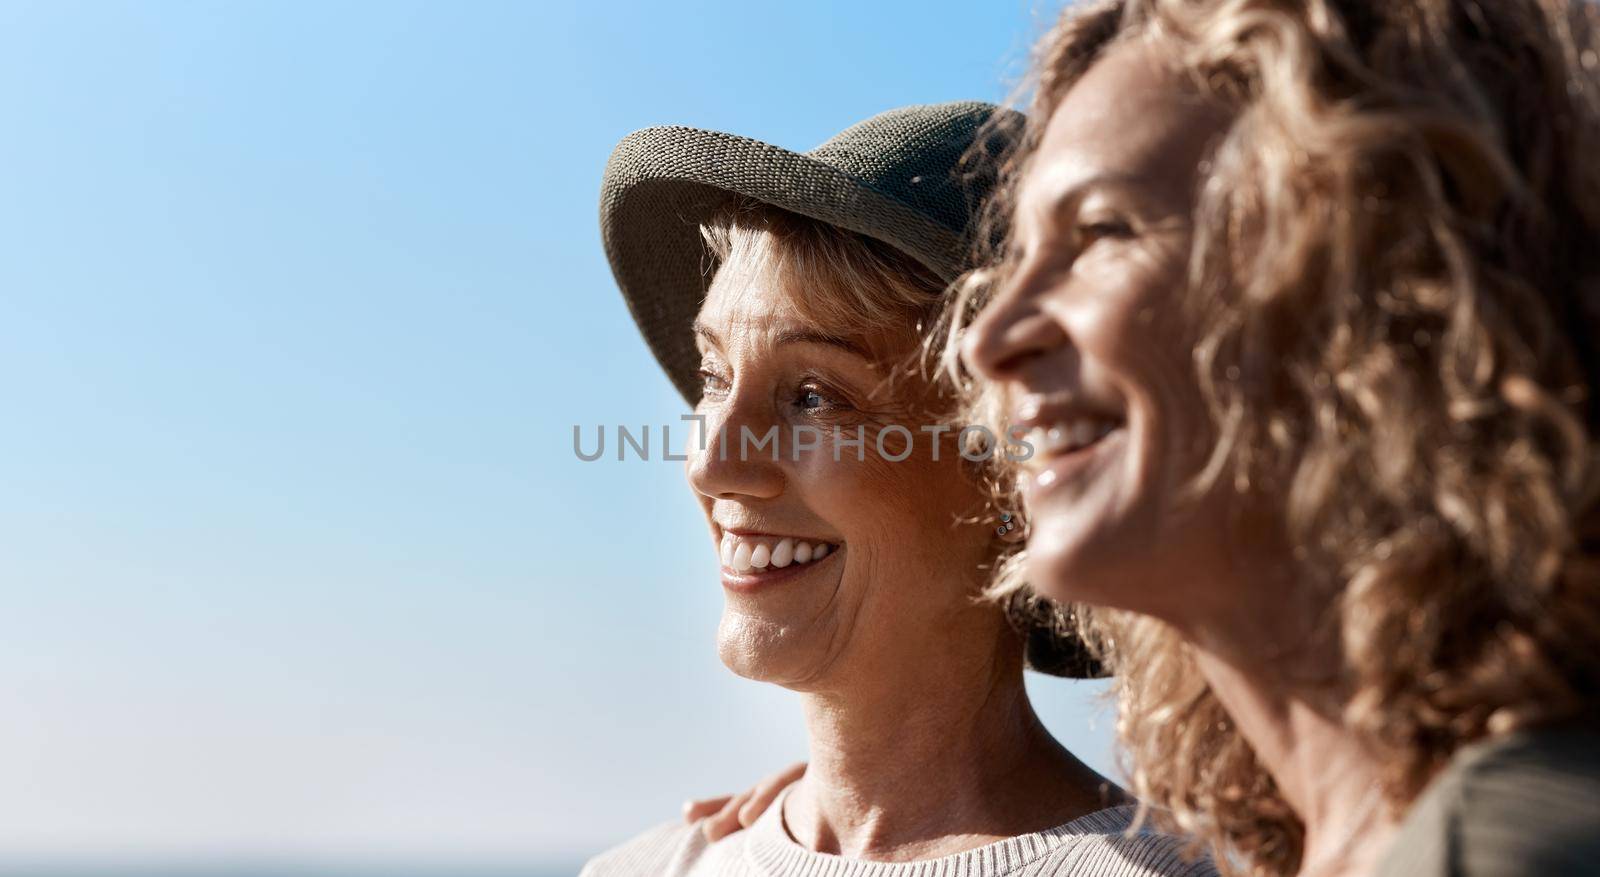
(1521, 805)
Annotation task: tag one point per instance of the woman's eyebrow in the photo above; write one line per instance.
(803, 336)
(1068, 198)
(1062, 204)
(702, 331)
(792, 336)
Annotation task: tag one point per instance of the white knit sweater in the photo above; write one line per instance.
(1096, 845)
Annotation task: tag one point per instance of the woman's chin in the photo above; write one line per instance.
(765, 650)
(1064, 569)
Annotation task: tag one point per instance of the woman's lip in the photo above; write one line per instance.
(1049, 473)
(768, 534)
(1042, 413)
(746, 582)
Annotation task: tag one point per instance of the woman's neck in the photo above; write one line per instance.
(1281, 693)
(927, 761)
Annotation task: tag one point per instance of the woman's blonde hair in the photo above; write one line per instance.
(1395, 284)
(852, 282)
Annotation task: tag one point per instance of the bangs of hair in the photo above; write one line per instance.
(842, 280)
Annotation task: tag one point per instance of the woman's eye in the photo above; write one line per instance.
(711, 382)
(1106, 228)
(817, 399)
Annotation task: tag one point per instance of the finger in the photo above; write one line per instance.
(700, 808)
(725, 821)
(762, 796)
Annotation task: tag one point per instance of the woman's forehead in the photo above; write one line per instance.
(753, 294)
(761, 299)
(1132, 121)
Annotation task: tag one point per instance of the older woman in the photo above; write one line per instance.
(1301, 306)
(852, 535)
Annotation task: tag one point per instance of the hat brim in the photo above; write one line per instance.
(662, 183)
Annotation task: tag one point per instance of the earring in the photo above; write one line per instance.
(1008, 529)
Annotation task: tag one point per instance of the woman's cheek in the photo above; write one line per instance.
(860, 479)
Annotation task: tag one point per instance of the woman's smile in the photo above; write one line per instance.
(1059, 462)
(1067, 437)
(752, 560)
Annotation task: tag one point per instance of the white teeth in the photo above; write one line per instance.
(1069, 437)
(783, 554)
(746, 553)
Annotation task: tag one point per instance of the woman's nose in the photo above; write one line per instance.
(731, 460)
(1010, 331)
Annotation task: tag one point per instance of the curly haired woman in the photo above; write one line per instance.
(1300, 304)
(784, 294)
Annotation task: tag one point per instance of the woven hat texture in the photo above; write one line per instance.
(899, 177)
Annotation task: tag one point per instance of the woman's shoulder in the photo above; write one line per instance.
(1107, 844)
(1100, 844)
(1524, 804)
(669, 848)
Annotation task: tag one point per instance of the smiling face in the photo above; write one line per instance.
(1088, 346)
(833, 567)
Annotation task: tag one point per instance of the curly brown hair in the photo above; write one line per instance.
(1396, 283)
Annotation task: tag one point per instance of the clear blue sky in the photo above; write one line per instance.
(298, 305)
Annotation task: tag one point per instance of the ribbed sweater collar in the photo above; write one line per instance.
(770, 849)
